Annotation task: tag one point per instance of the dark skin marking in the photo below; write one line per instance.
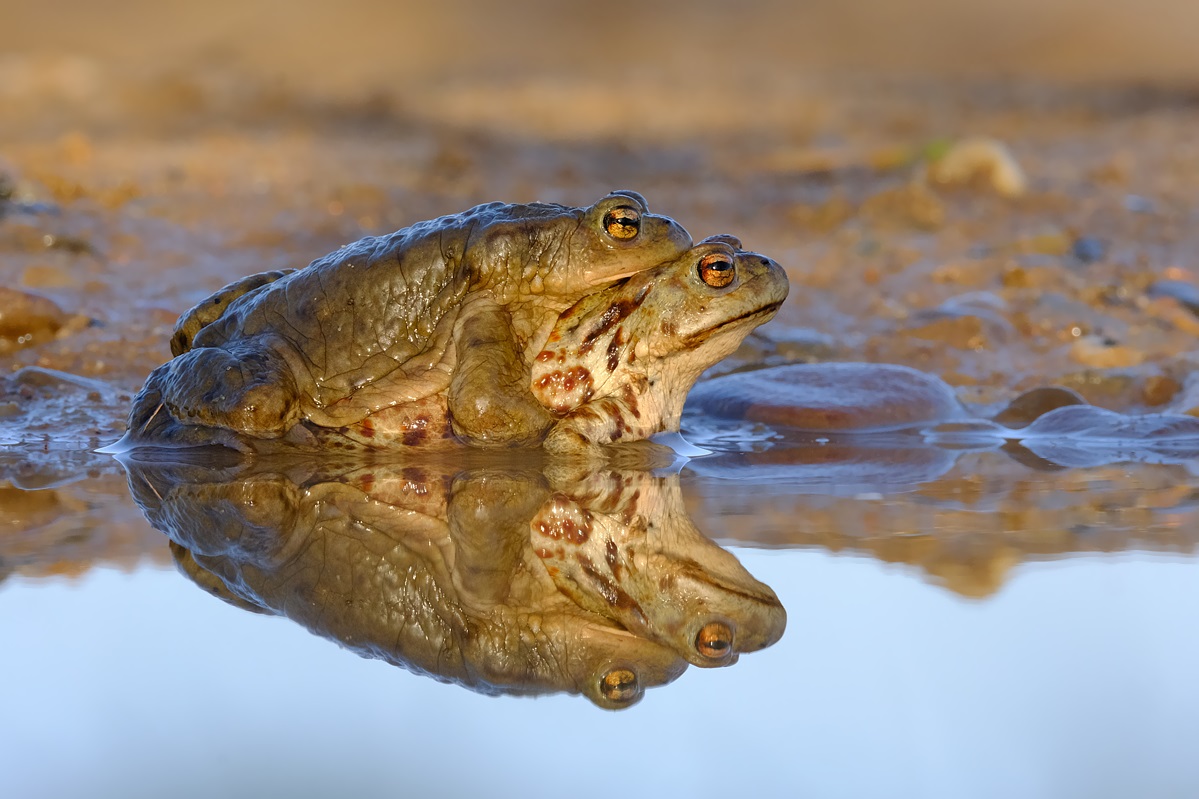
(416, 432)
(610, 591)
(612, 555)
(367, 427)
(616, 314)
(614, 348)
(565, 528)
(629, 395)
(560, 385)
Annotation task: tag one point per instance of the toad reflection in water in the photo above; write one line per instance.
(504, 581)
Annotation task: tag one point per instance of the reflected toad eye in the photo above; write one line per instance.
(715, 641)
(619, 686)
(622, 223)
(716, 270)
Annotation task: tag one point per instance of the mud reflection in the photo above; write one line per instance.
(504, 580)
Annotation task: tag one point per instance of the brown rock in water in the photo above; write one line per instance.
(1032, 405)
(27, 318)
(831, 397)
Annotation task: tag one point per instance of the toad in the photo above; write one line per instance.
(614, 366)
(389, 321)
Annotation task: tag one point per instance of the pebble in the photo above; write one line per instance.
(1032, 405)
(843, 397)
(980, 161)
(26, 318)
(1186, 293)
(1088, 250)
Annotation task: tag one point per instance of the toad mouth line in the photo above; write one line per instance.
(696, 339)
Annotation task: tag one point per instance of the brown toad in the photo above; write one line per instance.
(494, 361)
(388, 321)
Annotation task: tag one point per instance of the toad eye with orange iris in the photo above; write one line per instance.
(715, 641)
(622, 223)
(619, 686)
(716, 270)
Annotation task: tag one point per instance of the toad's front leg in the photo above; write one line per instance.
(247, 390)
(489, 397)
(604, 421)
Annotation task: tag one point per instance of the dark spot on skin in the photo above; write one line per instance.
(563, 527)
(619, 428)
(668, 328)
(614, 347)
(615, 314)
(367, 428)
(612, 555)
(666, 583)
(416, 432)
(545, 355)
(414, 474)
(563, 390)
(629, 396)
(366, 482)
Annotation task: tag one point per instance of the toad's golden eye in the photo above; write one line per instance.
(622, 223)
(715, 641)
(716, 270)
(619, 686)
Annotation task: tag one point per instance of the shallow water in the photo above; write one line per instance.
(1074, 679)
(982, 628)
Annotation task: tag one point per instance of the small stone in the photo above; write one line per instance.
(1138, 204)
(26, 319)
(980, 161)
(1184, 292)
(1088, 250)
(1159, 389)
(1031, 405)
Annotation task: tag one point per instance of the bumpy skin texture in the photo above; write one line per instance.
(502, 580)
(367, 341)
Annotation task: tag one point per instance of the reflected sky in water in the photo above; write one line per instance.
(1076, 680)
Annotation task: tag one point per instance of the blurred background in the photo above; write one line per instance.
(559, 68)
